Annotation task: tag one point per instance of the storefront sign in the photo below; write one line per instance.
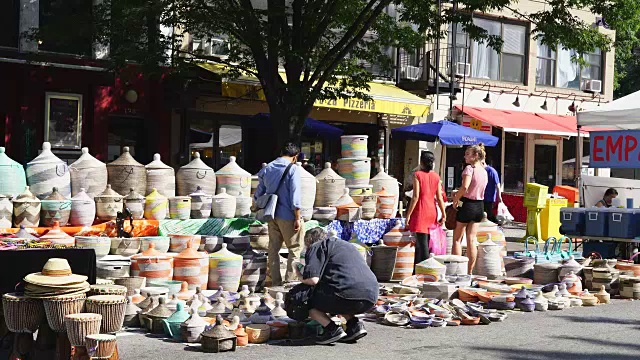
(476, 124)
(615, 149)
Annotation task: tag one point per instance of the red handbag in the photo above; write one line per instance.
(451, 213)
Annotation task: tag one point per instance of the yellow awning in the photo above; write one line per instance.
(386, 98)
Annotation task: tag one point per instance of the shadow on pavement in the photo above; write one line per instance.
(603, 320)
(522, 354)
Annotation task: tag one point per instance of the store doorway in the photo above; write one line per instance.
(545, 165)
(129, 132)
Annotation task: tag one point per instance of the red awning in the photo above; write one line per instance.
(568, 121)
(524, 122)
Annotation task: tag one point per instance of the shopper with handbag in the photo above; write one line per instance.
(422, 215)
(469, 201)
(277, 201)
(335, 280)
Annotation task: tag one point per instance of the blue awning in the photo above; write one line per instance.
(448, 132)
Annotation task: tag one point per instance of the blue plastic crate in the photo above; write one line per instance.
(572, 221)
(596, 222)
(624, 223)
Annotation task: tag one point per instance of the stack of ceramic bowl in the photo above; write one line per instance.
(630, 287)
(605, 276)
(354, 165)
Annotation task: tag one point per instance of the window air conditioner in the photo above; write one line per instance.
(411, 72)
(463, 69)
(594, 86)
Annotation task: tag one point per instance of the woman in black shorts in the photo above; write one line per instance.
(469, 200)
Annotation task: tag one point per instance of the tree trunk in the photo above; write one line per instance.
(287, 126)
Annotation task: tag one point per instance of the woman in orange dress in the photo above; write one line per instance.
(422, 214)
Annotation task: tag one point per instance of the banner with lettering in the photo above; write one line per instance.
(615, 149)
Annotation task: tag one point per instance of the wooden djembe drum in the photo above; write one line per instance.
(23, 316)
(56, 308)
(112, 308)
(78, 327)
(101, 346)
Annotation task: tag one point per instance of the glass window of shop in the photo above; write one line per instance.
(216, 143)
(514, 159)
(569, 159)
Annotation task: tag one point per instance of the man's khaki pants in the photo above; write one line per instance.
(282, 231)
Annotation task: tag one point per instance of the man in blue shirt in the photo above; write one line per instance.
(492, 192)
(287, 225)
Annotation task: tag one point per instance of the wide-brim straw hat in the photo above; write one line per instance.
(56, 272)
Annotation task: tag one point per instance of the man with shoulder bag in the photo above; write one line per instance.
(277, 201)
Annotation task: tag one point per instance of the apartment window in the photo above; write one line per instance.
(213, 46)
(556, 68)
(485, 62)
(9, 15)
(55, 19)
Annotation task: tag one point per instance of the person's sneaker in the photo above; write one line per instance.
(331, 334)
(355, 331)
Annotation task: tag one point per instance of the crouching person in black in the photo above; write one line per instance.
(336, 281)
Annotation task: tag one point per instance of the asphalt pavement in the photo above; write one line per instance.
(602, 332)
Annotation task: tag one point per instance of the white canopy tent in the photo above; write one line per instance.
(620, 114)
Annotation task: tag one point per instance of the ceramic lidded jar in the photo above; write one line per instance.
(6, 212)
(160, 176)
(218, 338)
(347, 209)
(152, 264)
(172, 323)
(180, 207)
(135, 203)
(387, 182)
(386, 208)
(196, 174)
(192, 328)
(225, 269)
(192, 267)
(12, 173)
(307, 191)
(329, 188)
(157, 316)
(55, 207)
(58, 237)
(223, 205)
(200, 204)
(233, 178)
(108, 204)
(47, 171)
(156, 206)
(126, 173)
(26, 209)
(83, 209)
(88, 173)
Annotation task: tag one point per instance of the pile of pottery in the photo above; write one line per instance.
(74, 322)
(219, 320)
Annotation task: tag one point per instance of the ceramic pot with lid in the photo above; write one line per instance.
(157, 316)
(13, 174)
(58, 237)
(152, 264)
(192, 328)
(307, 191)
(200, 204)
(160, 176)
(6, 212)
(329, 188)
(347, 209)
(180, 207)
(172, 323)
(156, 206)
(234, 179)
(55, 207)
(88, 173)
(192, 267)
(135, 203)
(224, 205)
(108, 204)
(83, 209)
(26, 209)
(225, 269)
(126, 173)
(432, 268)
(196, 174)
(391, 185)
(47, 171)
(218, 338)
(386, 208)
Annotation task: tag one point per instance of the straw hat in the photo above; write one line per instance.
(56, 272)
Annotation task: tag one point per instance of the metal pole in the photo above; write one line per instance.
(578, 158)
(454, 31)
(437, 78)
(502, 160)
